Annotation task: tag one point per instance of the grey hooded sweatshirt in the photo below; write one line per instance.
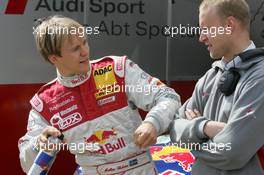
(236, 150)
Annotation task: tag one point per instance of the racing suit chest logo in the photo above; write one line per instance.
(103, 70)
(66, 122)
(104, 77)
(108, 141)
(65, 112)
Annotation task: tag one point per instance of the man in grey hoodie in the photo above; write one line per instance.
(223, 121)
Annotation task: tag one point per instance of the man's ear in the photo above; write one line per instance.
(231, 23)
(53, 58)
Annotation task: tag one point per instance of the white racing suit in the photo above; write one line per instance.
(97, 113)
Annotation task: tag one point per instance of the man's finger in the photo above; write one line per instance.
(136, 135)
(148, 142)
(141, 138)
(43, 138)
(51, 131)
(197, 112)
(191, 113)
(187, 115)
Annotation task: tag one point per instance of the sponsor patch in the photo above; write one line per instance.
(66, 122)
(106, 100)
(58, 97)
(104, 76)
(124, 165)
(103, 70)
(58, 105)
(68, 110)
(119, 65)
(107, 91)
(79, 79)
(37, 103)
(108, 141)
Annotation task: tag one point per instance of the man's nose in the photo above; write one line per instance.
(202, 37)
(85, 51)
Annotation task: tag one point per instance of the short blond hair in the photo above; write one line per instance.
(51, 32)
(236, 8)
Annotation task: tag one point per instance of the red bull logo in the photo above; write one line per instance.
(185, 159)
(176, 160)
(103, 138)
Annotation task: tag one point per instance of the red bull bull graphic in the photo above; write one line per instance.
(172, 160)
(107, 140)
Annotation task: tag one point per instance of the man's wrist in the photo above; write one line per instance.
(212, 128)
(201, 129)
(206, 128)
(154, 123)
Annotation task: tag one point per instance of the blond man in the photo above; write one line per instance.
(90, 104)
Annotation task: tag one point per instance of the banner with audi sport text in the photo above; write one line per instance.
(145, 30)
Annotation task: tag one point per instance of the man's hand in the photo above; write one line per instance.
(145, 135)
(211, 128)
(42, 140)
(191, 114)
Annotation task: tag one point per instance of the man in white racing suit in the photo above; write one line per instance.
(94, 105)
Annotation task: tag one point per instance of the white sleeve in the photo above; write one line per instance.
(150, 94)
(26, 144)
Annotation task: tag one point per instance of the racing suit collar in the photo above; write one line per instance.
(75, 80)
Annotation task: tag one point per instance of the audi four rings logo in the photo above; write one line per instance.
(16, 6)
(66, 122)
